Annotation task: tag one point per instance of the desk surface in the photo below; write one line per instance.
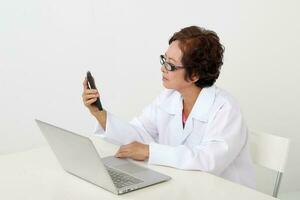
(36, 174)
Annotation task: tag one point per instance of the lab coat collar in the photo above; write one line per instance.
(173, 103)
(203, 103)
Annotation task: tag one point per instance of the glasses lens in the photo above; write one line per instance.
(167, 65)
(162, 60)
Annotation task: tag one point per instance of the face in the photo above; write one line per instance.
(174, 79)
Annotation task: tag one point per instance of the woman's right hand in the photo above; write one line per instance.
(89, 96)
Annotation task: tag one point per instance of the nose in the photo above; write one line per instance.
(163, 69)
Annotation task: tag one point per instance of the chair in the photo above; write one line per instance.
(271, 152)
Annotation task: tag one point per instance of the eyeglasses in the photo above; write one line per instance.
(167, 65)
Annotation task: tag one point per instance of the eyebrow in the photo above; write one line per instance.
(170, 58)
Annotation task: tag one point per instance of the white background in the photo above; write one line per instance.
(46, 47)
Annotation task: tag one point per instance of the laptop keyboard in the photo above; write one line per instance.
(121, 179)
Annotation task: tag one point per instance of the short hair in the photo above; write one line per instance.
(202, 54)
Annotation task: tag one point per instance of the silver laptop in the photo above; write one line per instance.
(78, 156)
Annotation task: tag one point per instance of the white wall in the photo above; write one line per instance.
(47, 46)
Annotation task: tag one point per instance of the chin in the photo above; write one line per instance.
(167, 86)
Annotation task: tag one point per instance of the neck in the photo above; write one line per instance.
(189, 96)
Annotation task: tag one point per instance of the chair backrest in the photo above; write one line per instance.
(268, 150)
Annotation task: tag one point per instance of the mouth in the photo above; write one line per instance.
(164, 79)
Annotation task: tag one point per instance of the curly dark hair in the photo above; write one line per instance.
(202, 54)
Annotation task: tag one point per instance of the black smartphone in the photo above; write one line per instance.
(92, 85)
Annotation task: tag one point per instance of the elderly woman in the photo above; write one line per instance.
(192, 124)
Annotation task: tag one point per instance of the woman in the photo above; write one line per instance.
(192, 124)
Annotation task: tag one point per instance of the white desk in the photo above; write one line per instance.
(36, 174)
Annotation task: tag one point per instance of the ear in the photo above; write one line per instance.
(195, 78)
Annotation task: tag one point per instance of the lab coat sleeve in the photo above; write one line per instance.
(142, 129)
(225, 137)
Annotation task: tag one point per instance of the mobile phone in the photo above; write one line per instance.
(92, 85)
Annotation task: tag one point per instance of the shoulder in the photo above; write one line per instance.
(166, 94)
(225, 97)
(168, 101)
(225, 101)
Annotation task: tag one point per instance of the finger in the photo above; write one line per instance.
(117, 151)
(89, 102)
(85, 84)
(122, 150)
(122, 147)
(122, 154)
(89, 96)
(90, 91)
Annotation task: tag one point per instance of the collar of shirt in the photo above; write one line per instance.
(173, 104)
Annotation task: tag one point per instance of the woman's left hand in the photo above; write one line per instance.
(134, 150)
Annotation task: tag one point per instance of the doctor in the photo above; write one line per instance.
(192, 124)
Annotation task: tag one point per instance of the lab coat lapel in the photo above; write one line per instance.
(178, 134)
(189, 126)
(173, 106)
(200, 111)
(203, 104)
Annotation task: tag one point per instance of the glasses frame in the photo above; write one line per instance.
(169, 66)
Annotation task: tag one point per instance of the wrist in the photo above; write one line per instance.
(99, 114)
(101, 118)
(147, 151)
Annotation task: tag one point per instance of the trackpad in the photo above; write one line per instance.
(130, 168)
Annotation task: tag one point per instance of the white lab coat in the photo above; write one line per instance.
(213, 140)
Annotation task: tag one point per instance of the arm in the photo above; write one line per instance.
(89, 97)
(142, 129)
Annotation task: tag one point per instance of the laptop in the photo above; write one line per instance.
(78, 156)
